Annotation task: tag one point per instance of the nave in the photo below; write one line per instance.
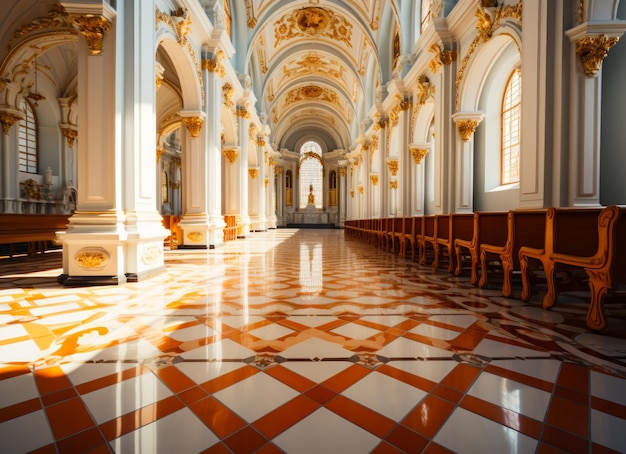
(300, 341)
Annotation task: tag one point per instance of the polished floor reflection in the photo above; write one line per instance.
(301, 341)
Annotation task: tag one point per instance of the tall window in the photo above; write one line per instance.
(511, 117)
(27, 140)
(426, 15)
(311, 175)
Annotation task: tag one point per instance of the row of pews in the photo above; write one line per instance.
(29, 233)
(571, 248)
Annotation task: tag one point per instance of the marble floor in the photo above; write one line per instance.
(301, 341)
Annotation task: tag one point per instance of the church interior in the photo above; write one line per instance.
(305, 226)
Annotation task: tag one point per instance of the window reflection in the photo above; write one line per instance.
(310, 269)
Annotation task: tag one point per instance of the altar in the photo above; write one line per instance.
(314, 217)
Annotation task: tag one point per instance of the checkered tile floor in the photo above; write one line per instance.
(301, 341)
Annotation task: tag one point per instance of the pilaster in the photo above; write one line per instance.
(466, 123)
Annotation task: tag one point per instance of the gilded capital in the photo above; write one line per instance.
(92, 27)
(231, 154)
(260, 141)
(467, 128)
(70, 135)
(361, 189)
(266, 182)
(392, 164)
(342, 171)
(418, 154)
(214, 64)
(592, 51)
(393, 184)
(194, 125)
(253, 172)
(227, 91)
(374, 179)
(8, 120)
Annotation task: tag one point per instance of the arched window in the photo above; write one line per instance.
(511, 117)
(27, 140)
(426, 15)
(311, 175)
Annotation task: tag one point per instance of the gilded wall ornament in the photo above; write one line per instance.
(592, 51)
(194, 125)
(467, 128)
(57, 19)
(486, 25)
(194, 237)
(92, 28)
(151, 254)
(231, 154)
(70, 135)
(8, 120)
(392, 164)
(418, 154)
(214, 64)
(312, 22)
(227, 91)
(92, 258)
(442, 57)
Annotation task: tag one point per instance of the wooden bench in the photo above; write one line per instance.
(416, 231)
(425, 237)
(573, 237)
(488, 227)
(461, 226)
(407, 235)
(35, 230)
(524, 228)
(395, 234)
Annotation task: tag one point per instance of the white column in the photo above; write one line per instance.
(8, 118)
(464, 165)
(591, 42)
(417, 153)
(242, 170)
(95, 244)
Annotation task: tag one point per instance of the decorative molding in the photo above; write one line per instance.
(392, 164)
(194, 236)
(214, 64)
(486, 25)
(92, 258)
(313, 22)
(70, 135)
(466, 128)
(231, 154)
(227, 91)
(592, 50)
(57, 18)
(442, 57)
(8, 120)
(92, 28)
(194, 125)
(418, 154)
(425, 90)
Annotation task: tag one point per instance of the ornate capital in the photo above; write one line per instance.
(8, 120)
(467, 128)
(70, 135)
(253, 172)
(592, 51)
(342, 171)
(393, 184)
(92, 27)
(214, 64)
(418, 154)
(361, 189)
(406, 103)
(374, 179)
(352, 193)
(266, 182)
(243, 112)
(260, 141)
(231, 154)
(392, 164)
(194, 125)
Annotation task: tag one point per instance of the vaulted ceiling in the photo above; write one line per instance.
(315, 65)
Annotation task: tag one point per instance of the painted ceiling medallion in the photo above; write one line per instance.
(312, 19)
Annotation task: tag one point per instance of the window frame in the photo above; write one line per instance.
(510, 128)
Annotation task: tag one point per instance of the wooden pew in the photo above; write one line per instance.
(407, 235)
(395, 234)
(488, 227)
(524, 228)
(36, 230)
(461, 226)
(425, 236)
(416, 231)
(569, 232)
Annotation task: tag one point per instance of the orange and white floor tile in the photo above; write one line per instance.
(300, 341)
